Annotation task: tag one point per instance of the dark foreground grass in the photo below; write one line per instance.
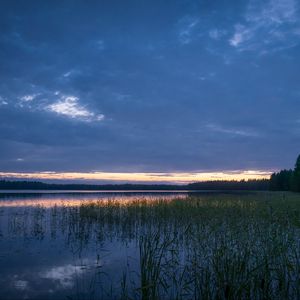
(242, 246)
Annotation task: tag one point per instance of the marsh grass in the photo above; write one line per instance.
(219, 246)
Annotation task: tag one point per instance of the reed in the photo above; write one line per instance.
(221, 246)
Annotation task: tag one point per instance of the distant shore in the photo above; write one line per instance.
(256, 185)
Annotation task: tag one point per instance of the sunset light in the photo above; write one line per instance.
(179, 178)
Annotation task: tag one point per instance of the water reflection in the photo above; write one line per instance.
(149, 246)
(76, 199)
(51, 246)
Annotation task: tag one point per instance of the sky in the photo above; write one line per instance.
(109, 89)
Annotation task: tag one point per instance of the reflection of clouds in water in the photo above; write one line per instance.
(21, 284)
(64, 275)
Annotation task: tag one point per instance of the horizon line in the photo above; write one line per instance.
(141, 177)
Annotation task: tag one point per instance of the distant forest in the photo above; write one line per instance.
(203, 185)
(286, 180)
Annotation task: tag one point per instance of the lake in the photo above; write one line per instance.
(149, 245)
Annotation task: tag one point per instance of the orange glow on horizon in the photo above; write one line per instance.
(178, 177)
(100, 201)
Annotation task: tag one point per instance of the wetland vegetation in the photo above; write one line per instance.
(184, 246)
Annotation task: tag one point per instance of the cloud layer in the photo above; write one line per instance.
(69, 106)
(151, 86)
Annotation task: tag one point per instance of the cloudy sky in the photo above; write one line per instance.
(157, 87)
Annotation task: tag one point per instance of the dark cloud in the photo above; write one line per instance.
(149, 85)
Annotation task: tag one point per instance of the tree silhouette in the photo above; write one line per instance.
(286, 180)
(281, 181)
(296, 176)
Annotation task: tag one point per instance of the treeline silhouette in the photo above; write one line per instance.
(286, 180)
(225, 185)
(203, 185)
(37, 185)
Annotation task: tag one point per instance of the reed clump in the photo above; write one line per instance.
(217, 246)
(206, 247)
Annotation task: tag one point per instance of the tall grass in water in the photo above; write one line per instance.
(239, 246)
(225, 247)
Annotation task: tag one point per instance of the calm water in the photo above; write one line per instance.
(149, 245)
(47, 252)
